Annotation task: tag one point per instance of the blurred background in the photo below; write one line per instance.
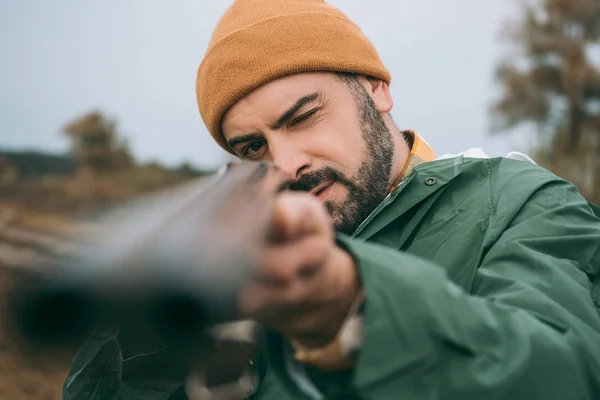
(97, 105)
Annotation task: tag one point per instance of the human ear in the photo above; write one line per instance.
(380, 93)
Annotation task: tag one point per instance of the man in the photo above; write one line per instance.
(399, 274)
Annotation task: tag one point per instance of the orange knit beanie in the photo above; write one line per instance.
(258, 41)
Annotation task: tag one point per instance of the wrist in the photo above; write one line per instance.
(334, 313)
(339, 353)
(340, 336)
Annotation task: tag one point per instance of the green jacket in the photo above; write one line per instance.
(483, 282)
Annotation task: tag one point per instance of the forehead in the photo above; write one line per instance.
(280, 94)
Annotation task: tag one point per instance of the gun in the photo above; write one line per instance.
(168, 266)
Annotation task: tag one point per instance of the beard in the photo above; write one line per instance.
(370, 185)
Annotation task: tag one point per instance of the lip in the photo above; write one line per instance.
(322, 191)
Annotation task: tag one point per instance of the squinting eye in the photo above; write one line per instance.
(304, 117)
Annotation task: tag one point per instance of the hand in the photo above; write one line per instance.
(305, 284)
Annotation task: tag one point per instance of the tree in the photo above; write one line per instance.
(552, 80)
(96, 145)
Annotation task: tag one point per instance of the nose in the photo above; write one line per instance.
(292, 161)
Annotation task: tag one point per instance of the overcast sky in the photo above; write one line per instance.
(136, 60)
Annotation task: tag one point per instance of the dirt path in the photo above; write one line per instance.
(26, 376)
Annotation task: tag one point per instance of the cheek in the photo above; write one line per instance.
(337, 142)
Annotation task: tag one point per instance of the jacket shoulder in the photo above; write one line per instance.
(507, 169)
(514, 179)
(515, 186)
(498, 176)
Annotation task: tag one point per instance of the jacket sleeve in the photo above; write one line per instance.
(529, 327)
(100, 372)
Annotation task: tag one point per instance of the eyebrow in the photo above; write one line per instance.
(285, 117)
(289, 113)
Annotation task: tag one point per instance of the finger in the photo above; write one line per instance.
(269, 302)
(281, 264)
(298, 214)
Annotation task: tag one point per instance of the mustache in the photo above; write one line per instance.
(311, 180)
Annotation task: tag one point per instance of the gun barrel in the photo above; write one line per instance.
(169, 265)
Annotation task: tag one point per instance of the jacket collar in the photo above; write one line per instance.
(425, 178)
(420, 152)
(424, 181)
(426, 174)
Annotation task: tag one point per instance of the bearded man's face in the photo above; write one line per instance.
(326, 133)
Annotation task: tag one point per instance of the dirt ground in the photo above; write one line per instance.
(28, 237)
(28, 376)
(22, 379)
